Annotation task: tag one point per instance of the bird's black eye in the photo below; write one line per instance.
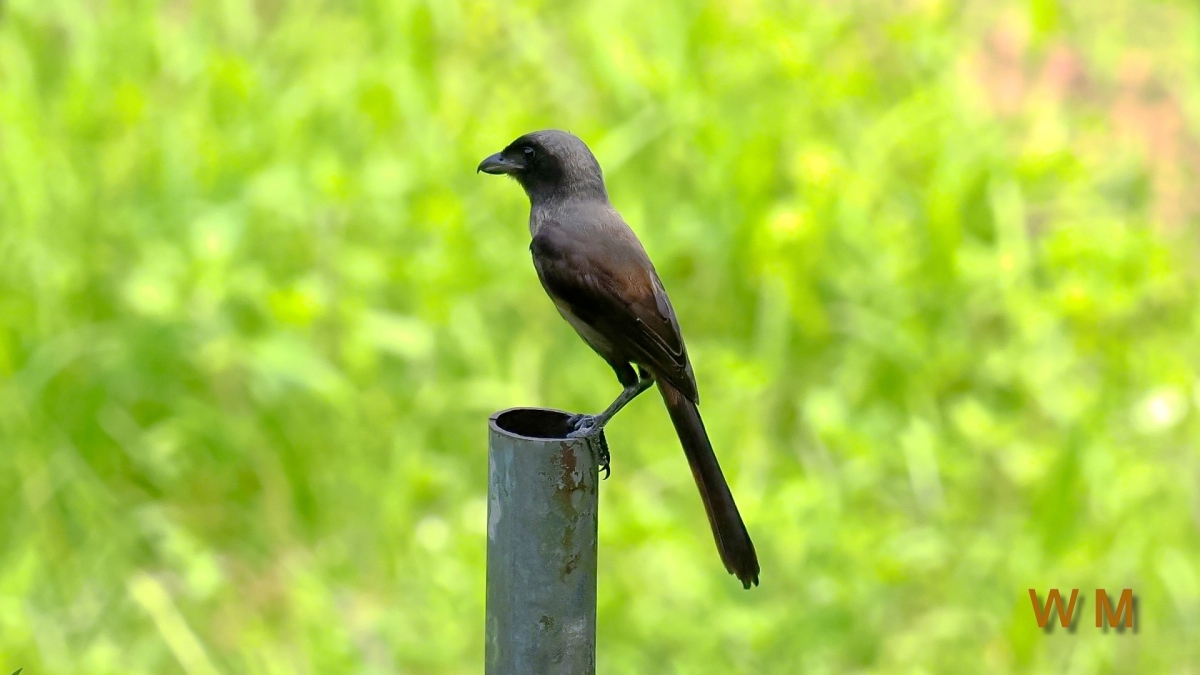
(529, 152)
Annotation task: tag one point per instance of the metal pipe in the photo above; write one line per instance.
(541, 553)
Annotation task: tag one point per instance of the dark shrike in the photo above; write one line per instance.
(603, 283)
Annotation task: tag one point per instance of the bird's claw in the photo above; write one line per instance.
(603, 454)
(584, 426)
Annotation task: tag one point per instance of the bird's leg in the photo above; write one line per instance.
(584, 426)
(587, 424)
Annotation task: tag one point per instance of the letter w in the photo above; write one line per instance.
(1054, 599)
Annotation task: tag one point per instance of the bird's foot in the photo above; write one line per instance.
(581, 425)
(584, 426)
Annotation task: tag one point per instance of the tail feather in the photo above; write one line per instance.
(733, 541)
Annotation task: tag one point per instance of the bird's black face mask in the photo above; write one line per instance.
(521, 157)
(548, 166)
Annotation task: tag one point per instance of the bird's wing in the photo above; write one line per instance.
(610, 285)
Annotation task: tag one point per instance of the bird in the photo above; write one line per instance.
(602, 282)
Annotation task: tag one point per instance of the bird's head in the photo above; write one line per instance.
(550, 165)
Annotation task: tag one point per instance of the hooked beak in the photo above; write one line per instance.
(497, 164)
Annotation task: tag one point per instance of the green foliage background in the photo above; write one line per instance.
(936, 263)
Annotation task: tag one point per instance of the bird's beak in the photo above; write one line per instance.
(497, 164)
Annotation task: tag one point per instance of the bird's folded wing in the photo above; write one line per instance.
(612, 286)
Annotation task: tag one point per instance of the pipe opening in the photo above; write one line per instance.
(533, 422)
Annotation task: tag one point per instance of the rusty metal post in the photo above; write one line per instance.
(541, 552)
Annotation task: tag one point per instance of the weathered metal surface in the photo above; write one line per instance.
(541, 555)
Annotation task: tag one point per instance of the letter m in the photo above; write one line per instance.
(1123, 616)
(1054, 599)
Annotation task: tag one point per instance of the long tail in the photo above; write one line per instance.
(733, 541)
